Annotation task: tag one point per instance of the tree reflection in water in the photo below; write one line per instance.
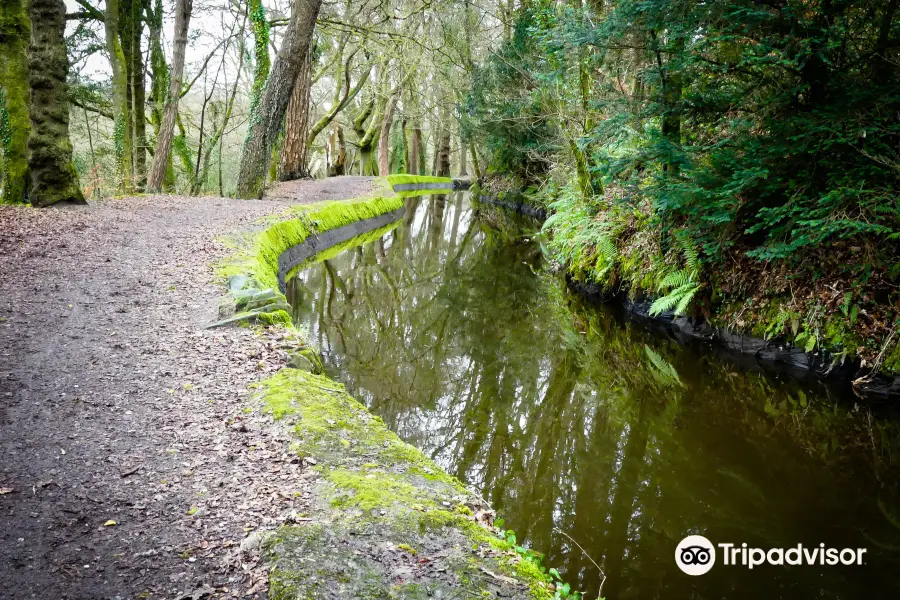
(567, 419)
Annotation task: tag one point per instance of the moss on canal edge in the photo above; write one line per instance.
(402, 179)
(378, 496)
(258, 260)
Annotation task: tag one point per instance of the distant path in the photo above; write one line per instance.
(333, 188)
(115, 405)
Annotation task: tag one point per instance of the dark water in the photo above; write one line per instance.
(581, 426)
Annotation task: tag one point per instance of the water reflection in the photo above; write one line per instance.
(580, 426)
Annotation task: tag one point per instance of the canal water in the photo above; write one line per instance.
(600, 441)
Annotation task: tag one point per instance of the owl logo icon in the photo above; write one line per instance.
(695, 555)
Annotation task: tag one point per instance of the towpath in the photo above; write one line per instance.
(128, 465)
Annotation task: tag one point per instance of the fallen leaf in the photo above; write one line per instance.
(6, 491)
(131, 471)
(110, 523)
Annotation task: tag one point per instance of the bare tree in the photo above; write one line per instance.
(266, 119)
(167, 128)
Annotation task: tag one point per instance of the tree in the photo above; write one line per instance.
(267, 117)
(343, 93)
(53, 176)
(293, 160)
(384, 144)
(170, 112)
(121, 113)
(14, 100)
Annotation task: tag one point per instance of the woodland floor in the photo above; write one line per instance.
(116, 404)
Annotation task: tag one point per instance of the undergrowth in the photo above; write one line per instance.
(617, 241)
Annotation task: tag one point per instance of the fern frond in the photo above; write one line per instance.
(692, 257)
(663, 304)
(607, 248)
(685, 300)
(675, 279)
(666, 370)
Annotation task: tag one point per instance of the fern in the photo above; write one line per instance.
(665, 372)
(606, 255)
(692, 257)
(676, 279)
(682, 285)
(679, 299)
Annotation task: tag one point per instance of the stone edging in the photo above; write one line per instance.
(381, 505)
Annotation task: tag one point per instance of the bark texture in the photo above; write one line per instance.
(266, 119)
(338, 152)
(15, 96)
(415, 152)
(294, 156)
(170, 112)
(384, 137)
(131, 34)
(53, 176)
(442, 158)
(122, 120)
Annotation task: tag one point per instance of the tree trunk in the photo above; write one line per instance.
(384, 137)
(340, 102)
(406, 148)
(121, 119)
(53, 176)
(475, 165)
(442, 160)
(15, 97)
(131, 33)
(415, 151)
(338, 152)
(294, 155)
(260, 26)
(167, 127)
(266, 120)
(159, 81)
(463, 149)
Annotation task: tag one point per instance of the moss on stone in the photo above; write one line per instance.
(378, 490)
(337, 249)
(278, 317)
(401, 179)
(258, 259)
(373, 478)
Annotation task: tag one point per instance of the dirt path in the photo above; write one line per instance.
(118, 406)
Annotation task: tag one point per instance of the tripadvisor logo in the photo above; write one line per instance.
(696, 555)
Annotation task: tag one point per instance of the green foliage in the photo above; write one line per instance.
(260, 26)
(504, 108)
(771, 133)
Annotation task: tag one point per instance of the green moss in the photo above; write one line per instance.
(260, 26)
(15, 121)
(369, 491)
(258, 259)
(400, 179)
(278, 317)
(332, 423)
(891, 364)
(408, 548)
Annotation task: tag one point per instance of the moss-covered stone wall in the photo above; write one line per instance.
(388, 522)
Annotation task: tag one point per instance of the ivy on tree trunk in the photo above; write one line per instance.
(266, 118)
